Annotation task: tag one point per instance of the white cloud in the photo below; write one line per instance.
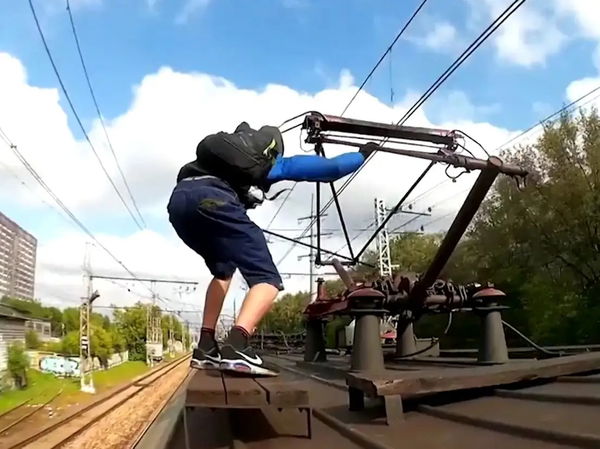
(441, 37)
(585, 12)
(581, 87)
(456, 103)
(540, 28)
(528, 37)
(169, 113)
(190, 8)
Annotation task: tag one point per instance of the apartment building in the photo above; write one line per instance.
(17, 260)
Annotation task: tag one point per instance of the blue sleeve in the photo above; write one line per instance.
(314, 168)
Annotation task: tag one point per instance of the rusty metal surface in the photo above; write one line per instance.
(317, 123)
(468, 420)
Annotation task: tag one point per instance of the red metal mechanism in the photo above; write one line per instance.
(404, 297)
(391, 296)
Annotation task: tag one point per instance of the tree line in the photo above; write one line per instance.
(126, 331)
(539, 243)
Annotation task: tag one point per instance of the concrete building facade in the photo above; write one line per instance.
(17, 260)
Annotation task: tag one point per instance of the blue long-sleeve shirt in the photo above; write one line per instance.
(314, 168)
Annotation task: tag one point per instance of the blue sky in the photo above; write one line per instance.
(545, 55)
(300, 43)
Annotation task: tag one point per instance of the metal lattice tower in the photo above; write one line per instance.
(153, 330)
(383, 239)
(86, 364)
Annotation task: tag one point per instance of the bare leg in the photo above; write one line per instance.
(257, 303)
(215, 295)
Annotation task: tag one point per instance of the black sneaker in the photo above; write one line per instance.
(244, 361)
(206, 359)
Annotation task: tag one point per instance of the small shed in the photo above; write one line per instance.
(12, 329)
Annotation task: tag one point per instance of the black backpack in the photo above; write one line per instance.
(242, 158)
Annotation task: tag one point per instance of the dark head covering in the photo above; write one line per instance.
(275, 134)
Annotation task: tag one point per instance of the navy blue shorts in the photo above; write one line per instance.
(208, 216)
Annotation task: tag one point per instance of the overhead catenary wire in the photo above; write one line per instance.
(76, 115)
(65, 209)
(568, 107)
(554, 114)
(28, 187)
(359, 89)
(383, 56)
(496, 23)
(100, 117)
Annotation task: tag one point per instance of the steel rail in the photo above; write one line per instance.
(7, 412)
(134, 383)
(28, 414)
(154, 416)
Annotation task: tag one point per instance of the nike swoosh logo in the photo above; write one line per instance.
(214, 359)
(256, 360)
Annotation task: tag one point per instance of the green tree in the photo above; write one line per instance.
(70, 343)
(71, 319)
(55, 315)
(130, 325)
(17, 364)
(286, 315)
(32, 340)
(542, 244)
(170, 322)
(101, 344)
(413, 252)
(35, 310)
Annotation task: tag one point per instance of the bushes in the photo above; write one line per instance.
(32, 340)
(18, 363)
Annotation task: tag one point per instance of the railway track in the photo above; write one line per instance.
(65, 429)
(20, 413)
(156, 414)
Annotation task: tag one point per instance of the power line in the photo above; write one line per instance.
(385, 53)
(539, 123)
(511, 9)
(76, 115)
(110, 145)
(551, 116)
(281, 205)
(365, 81)
(27, 186)
(62, 205)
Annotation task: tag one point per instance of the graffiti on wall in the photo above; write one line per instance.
(60, 366)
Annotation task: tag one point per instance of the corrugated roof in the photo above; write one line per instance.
(9, 312)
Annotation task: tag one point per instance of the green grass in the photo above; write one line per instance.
(43, 386)
(117, 375)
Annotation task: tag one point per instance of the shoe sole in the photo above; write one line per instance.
(204, 364)
(242, 367)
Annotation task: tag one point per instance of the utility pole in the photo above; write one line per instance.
(311, 255)
(154, 341)
(148, 334)
(170, 334)
(383, 240)
(184, 336)
(86, 364)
